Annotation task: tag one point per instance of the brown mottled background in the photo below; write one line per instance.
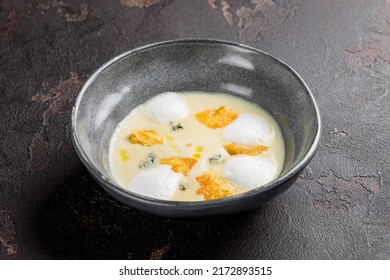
(51, 209)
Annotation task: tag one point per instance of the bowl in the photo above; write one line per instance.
(135, 76)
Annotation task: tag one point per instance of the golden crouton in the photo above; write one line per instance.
(216, 118)
(145, 137)
(214, 186)
(179, 165)
(235, 149)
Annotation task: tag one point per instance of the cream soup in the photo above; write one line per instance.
(196, 146)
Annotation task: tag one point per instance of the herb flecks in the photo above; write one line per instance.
(216, 159)
(183, 187)
(176, 127)
(150, 160)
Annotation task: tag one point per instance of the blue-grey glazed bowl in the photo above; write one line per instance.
(131, 78)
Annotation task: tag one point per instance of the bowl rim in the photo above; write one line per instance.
(188, 205)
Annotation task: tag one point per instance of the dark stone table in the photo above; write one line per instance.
(50, 208)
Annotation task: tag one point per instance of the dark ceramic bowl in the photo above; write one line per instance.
(194, 65)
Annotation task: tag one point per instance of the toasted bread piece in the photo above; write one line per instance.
(217, 118)
(145, 137)
(214, 186)
(179, 165)
(235, 149)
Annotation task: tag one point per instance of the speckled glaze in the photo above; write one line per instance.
(194, 65)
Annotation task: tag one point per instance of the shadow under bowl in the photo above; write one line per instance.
(131, 78)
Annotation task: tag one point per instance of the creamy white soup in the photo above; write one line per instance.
(195, 146)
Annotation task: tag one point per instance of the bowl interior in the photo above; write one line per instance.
(130, 79)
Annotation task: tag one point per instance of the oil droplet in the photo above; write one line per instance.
(198, 149)
(196, 156)
(123, 155)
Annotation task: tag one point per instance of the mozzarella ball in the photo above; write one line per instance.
(159, 182)
(248, 129)
(249, 171)
(167, 107)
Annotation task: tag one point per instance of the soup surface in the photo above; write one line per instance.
(196, 146)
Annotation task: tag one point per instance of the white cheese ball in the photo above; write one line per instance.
(167, 107)
(248, 129)
(249, 171)
(158, 182)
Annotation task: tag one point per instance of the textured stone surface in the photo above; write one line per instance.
(51, 208)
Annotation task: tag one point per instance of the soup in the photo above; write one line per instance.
(195, 146)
